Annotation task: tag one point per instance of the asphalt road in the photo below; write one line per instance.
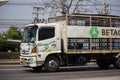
(89, 72)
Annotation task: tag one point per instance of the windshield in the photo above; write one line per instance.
(29, 34)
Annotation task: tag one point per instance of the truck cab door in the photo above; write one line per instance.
(49, 39)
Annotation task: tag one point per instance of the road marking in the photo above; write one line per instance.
(98, 78)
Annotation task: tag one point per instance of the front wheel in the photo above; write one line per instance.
(51, 64)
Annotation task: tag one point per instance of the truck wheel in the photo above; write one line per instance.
(37, 68)
(117, 63)
(103, 64)
(51, 64)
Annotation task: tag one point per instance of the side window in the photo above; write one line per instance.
(46, 33)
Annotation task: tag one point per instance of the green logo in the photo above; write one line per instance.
(94, 32)
(46, 47)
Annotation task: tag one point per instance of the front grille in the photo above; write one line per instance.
(25, 52)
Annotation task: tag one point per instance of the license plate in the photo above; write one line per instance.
(24, 59)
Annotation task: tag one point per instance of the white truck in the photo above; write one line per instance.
(72, 40)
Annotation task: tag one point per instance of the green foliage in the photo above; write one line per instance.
(13, 33)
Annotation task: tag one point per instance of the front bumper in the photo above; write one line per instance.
(28, 61)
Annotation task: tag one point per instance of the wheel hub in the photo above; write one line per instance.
(52, 64)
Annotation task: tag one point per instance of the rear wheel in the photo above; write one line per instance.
(117, 63)
(51, 64)
(103, 64)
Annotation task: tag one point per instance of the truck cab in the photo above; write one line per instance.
(39, 41)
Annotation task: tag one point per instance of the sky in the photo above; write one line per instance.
(16, 15)
(22, 14)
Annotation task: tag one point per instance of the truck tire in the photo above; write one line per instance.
(103, 64)
(117, 63)
(51, 64)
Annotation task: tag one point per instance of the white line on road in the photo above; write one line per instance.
(98, 78)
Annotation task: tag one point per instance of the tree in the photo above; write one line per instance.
(58, 7)
(13, 33)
